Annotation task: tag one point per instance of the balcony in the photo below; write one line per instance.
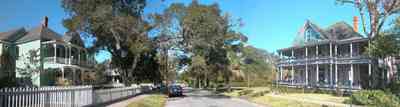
(324, 60)
(60, 60)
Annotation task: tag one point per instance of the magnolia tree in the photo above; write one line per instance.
(29, 72)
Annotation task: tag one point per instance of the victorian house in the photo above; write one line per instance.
(40, 56)
(327, 58)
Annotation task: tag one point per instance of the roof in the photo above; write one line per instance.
(39, 33)
(12, 35)
(339, 33)
(336, 32)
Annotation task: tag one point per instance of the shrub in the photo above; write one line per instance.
(338, 92)
(260, 93)
(245, 92)
(7, 81)
(394, 87)
(376, 98)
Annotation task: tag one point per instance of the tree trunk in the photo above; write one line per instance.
(207, 82)
(228, 83)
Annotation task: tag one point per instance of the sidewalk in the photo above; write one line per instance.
(126, 102)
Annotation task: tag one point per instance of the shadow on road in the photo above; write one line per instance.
(198, 93)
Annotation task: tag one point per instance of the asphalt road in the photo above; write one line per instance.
(203, 98)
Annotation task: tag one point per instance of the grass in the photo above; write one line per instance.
(156, 100)
(281, 102)
(236, 93)
(318, 97)
(289, 99)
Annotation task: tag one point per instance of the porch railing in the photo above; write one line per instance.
(60, 60)
(74, 96)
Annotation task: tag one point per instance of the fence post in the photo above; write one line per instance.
(1, 98)
(9, 98)
(47, 98)
(73, 98)
(14, 98)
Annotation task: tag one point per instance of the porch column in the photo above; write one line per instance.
(74, 76)
(369, 74)
(292, 74)
(292, 66)
(306, 66)
(62, 73)
(280, 68)
(292, 53)
(351, 50)
(87, 58)
(317, 74)
(330, 74)
(69, 55)
(55, 52)
(336, 66)
(281, 73)
(277, 74)
(66, 56)
(79, 56)
(316, 51)
(330, 50)
(351, 77)
(330, 65)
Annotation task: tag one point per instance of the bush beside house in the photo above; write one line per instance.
(376, 98)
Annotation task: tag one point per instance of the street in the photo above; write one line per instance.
(203, 98)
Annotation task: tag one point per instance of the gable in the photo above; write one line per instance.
(311, 33)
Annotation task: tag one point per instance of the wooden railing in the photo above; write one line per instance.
(60, 60)
(74, 96)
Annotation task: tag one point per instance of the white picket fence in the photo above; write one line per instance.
(75, 96)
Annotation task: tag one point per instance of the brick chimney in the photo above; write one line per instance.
(355, 23)
(45, 22)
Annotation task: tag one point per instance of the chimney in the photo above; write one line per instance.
(45, 22)
(355, 23)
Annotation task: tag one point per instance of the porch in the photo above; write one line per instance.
(351, 76)
(54, 52)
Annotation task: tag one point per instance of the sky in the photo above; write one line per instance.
(269, 24)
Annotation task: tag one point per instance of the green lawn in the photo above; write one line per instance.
(156, 100)
(290, 99)
(317, 97)
(235, 93)
(280, 102)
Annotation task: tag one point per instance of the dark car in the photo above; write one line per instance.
(175, 90)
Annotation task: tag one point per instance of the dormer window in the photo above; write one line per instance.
(311, 35)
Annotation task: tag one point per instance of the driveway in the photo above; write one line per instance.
(203, 98)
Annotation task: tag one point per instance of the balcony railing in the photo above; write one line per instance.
(60, 60)
(321, 59)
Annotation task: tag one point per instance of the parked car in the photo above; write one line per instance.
(175, 90)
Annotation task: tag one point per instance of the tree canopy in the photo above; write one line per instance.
(117, 26)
